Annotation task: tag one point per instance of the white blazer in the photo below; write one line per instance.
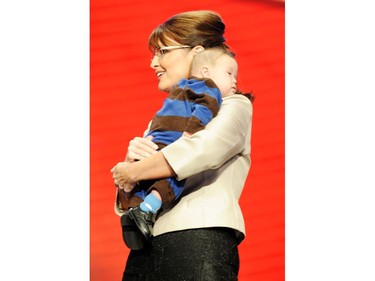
(215, 162)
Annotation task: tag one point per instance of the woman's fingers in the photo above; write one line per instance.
(140, 148)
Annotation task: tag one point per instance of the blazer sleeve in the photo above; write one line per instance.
(210, 148)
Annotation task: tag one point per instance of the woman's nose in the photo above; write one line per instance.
(154, 62)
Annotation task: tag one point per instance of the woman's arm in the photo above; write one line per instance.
(210, 148)
(207, 149)
(126, 174)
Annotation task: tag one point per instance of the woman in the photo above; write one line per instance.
(197, 239)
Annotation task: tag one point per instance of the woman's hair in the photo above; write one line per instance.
(249, 95)
(204, 28)
(196, 28)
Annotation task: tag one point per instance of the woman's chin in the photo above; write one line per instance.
(164, 88)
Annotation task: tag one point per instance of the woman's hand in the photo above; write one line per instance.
(140, 148)
(121, 177)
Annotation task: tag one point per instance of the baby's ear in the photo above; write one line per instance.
(198, 49)
(205, 72)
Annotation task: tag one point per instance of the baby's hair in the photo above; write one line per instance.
(208, 56)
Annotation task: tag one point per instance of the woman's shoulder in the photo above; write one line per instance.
(236, 111)
(237, 98)
(238, 101)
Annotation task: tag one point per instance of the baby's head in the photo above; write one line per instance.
(219, 65)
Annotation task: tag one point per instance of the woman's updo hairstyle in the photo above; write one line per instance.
(204, 28)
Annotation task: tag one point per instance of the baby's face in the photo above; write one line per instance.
(224, 74)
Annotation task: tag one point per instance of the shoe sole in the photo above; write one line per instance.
(131, 235)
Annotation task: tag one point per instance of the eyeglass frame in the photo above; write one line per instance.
(159, 54)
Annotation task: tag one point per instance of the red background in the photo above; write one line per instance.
(124, 97)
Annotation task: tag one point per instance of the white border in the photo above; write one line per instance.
(44, 143)
(330, 140)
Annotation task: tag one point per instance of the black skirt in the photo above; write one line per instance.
(195, 254)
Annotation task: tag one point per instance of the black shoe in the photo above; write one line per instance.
(143, 220)
(136, 228)
(131, 235)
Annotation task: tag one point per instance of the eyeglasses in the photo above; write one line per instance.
(160, 52)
